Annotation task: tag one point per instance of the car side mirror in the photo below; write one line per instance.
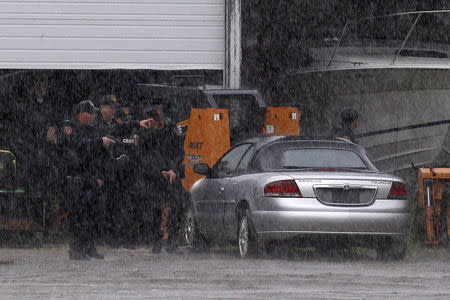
(202, 169)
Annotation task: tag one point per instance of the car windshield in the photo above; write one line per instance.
(276, 158)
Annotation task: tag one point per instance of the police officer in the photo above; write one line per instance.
(39, 138)
(162, 156)
(104, 124)
(123, 115)
(349, 122)
(85, 179)
(107, 122)
(118, 224)
(108, 105)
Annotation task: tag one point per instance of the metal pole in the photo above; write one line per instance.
(407, 37)
(338, 44)
(429, 215)
(404, 14)
(233, 44)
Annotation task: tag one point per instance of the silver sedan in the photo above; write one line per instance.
(288, 188)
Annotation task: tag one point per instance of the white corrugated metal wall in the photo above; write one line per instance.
(109, 34)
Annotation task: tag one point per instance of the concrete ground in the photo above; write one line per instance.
(47, 273)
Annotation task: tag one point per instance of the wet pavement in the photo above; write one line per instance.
(47, 273)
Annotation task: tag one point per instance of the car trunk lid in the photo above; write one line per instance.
(343, 188)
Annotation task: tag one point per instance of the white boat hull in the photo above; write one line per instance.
(397, 112)
(404, 113)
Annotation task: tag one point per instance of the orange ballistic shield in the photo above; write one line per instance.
(207, 139)
(282, 121)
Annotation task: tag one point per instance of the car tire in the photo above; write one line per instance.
(392, 250)
(247, 241)
(191, 234)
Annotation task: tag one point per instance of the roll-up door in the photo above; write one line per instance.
(112, 34)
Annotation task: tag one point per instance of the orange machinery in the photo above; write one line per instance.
(432, 183)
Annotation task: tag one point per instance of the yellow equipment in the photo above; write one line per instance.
(432, 183)
(16, 209)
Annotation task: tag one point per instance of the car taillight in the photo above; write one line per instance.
(398, 191)
(284, 188)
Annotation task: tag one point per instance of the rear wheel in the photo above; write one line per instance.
(247, 244)
(192, 236)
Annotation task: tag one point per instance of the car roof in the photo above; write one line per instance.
(325, 142)
(311, 142)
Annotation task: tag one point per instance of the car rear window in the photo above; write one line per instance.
(276, 158)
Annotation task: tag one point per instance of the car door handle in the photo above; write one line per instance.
(221, 190)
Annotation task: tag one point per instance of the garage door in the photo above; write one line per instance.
(110, 34)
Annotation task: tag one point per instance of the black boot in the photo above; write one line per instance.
(156, 249)
(92, 252)
(172, 247)
(75, 253)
